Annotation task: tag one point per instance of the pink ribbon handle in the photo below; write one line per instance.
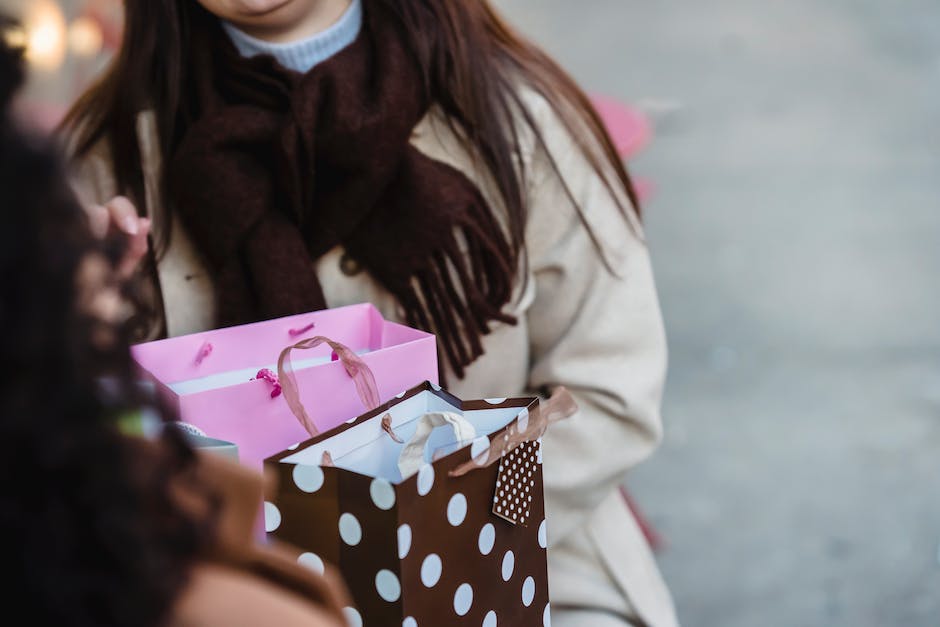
(560, 406)
(357, 370)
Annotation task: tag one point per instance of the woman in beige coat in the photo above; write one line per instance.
(419, 155)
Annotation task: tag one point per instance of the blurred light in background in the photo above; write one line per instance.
(85, 37)
(67, 44)
(45, 30)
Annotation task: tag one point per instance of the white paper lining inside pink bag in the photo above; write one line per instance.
(367, 449)
(234, 377)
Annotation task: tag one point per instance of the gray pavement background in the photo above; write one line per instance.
(795, 231)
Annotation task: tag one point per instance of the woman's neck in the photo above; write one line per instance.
(309, 18)
(301, 55)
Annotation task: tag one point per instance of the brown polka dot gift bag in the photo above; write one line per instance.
(430, 507)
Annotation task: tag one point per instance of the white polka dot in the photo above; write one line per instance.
(431, 570)
(272, 517)
(387, 585)
(543, 535)
(547, 616)
(457, 509)
(350, 530)
(383, 494)
(311, 561)
(352, 617)
(404, 541)
(463, 599)
(496, 401)
(401, 394)
(509, 563)
(528, 591)
(478, 448)
(487, 538)
(352, 420)
(293, 447)
(425, 479)
(308, 478)
(409, 622)
(490, 619)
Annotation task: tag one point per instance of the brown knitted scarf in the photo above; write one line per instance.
(279, 168)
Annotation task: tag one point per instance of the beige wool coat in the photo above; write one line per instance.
(597, 333)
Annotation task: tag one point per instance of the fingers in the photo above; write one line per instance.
(124, 215)
(137, 247)
(118, 213)
(119, 216)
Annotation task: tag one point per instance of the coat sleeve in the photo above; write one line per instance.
(595, 331)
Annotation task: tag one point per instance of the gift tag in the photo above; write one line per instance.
(515, 483)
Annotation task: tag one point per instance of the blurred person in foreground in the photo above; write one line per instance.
(285, 156)
(98, 527)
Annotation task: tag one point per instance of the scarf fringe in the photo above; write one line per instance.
(458, 294)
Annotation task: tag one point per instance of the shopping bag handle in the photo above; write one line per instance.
(355, 367)
(527, 427)
(413, 454)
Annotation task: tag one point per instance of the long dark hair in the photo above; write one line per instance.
(89, 528)
(473, 64)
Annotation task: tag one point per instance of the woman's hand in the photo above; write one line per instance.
(118, 217)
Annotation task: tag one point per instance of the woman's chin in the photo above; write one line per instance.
(248, 10)
(268, 19)
(258, 8)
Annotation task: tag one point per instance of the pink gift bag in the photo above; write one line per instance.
(212, 379)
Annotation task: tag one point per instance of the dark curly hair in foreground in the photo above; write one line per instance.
(89, 532)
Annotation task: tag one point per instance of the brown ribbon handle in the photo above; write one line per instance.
(524, 429)
(357, 370)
